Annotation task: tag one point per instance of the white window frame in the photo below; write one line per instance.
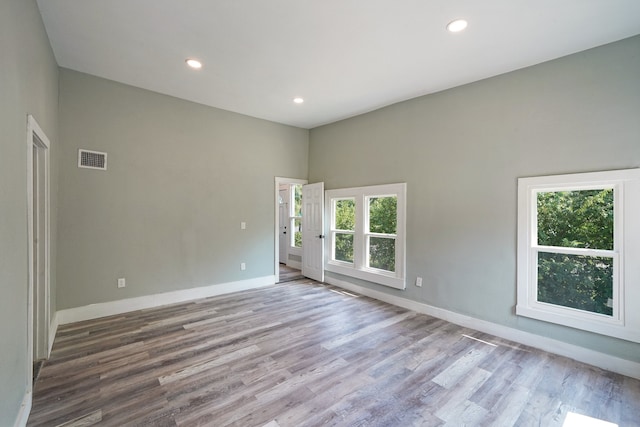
(625, 321)
(359, 268)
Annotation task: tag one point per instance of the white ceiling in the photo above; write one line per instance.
(344, 57)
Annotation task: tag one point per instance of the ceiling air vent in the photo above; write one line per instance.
(92, 159)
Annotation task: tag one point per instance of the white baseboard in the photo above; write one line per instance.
(25, 410)
(94, 311)
(581, 354)
(53, 328)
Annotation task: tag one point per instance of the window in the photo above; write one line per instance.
(344, 221)
(381, 234)
(295, 215)
(367, 233)
(577, 240)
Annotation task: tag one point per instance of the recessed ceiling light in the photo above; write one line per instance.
(298, 100)
(194, 63)
(457, 25)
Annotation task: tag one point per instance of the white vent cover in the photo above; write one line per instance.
(92, 159)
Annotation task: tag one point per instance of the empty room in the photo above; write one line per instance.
(293, 213)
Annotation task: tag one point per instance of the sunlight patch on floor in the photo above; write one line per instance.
(349, 294)
(478, 339)
(577, 420)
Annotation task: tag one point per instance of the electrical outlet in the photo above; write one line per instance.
(122, 283)
(419, 282)
(243, 266)
(243, 225)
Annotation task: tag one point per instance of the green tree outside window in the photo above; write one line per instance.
(345, 219)
(297, 213)
(383, 219)
(576, 219)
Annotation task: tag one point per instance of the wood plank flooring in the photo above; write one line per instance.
(288, 274)
(307, 354)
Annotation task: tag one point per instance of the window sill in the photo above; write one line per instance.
(610, 327)
(380, 278)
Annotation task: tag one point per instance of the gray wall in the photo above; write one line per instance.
(461, 151)
(182, 176)
(166, 214)
(28, 84)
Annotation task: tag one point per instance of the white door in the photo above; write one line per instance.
(283, 215)
(313, 231)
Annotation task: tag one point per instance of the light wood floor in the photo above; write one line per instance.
(288, 274)
(307, 354)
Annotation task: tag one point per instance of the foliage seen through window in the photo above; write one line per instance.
(382, 220)
(576, 219)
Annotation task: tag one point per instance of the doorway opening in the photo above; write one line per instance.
(38, 232)
(288, 229)
(288, 274)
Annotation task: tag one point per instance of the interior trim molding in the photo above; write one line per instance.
(53, 328)
(94, 311)
(25, 410)
(581, 354)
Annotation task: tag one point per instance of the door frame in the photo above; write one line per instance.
(38, 332)
(278, 181)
